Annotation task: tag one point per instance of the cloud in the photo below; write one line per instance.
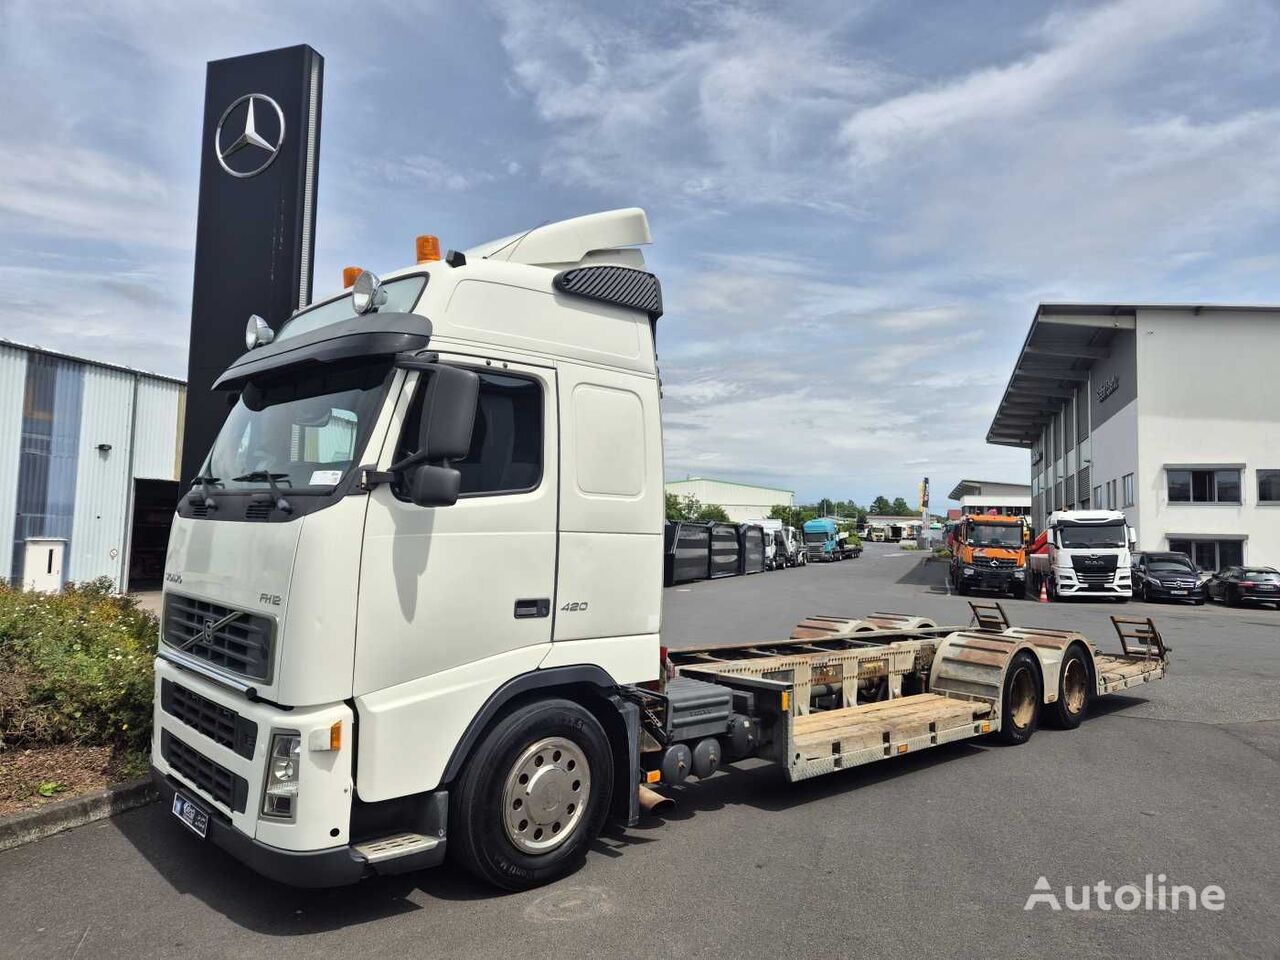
(87, 193)
(1084, 54)
(714, 106)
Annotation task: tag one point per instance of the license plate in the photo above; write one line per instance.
(192, 814)
(1178, 593)
(1266, 589)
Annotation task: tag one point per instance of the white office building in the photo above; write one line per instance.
(741, 501)
(1169, 413)
(991, 496)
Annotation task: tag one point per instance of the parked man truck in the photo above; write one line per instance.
(411, 603)
(1084, 553)
(989, 552)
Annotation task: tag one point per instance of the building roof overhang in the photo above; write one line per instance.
(1064, 341)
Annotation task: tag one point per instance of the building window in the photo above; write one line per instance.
(1204, 486)
(1111, 494)
(1097, 496)
(1269, 486)
(1210, 554)
(1127, 490)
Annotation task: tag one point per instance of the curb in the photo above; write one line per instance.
(74, 812)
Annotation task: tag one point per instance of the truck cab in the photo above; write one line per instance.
(989, 552)
(824, 540)
(1084, 553)
(433, 494)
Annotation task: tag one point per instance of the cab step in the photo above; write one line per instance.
(395, 846)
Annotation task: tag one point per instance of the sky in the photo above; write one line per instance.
(856, 206)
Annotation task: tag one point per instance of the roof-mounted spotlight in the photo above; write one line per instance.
(367, 293)
(257, 333)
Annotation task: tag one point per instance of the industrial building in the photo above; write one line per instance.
(989, 496)
(741, 501)
(1166, 412)
(89, 458)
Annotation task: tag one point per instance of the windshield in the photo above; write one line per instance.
(1075, 537)
(1260, 576)
(995, 535)
(811, 537)
(402, 294)
(300, 430)
(1170, 565)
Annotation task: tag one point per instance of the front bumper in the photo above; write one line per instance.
(989, 579)
(1159, 591)
(1075, 588)
(332, 867)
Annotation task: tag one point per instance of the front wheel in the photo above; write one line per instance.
(1020, 699)
(532, 796)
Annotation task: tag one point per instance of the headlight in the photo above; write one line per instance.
(968, 571)
(1019, 574)
(278, 800)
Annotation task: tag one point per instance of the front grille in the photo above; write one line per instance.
(1104, 578)
(988, 563)
(217, 781)
(242, 644)
(220, 724)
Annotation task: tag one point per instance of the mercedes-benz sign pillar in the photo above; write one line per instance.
(255, 235)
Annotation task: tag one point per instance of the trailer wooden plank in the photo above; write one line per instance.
(892, 717)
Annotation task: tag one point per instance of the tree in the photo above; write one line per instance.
(712, 511)
(881, 507)
(674, 510)
(900, 508)
(693, 510)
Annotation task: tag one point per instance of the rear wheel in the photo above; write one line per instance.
(532, 796)
(1020, 699)
(1074, 691)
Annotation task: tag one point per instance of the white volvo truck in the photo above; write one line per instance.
(412, 602)
(1084, 553)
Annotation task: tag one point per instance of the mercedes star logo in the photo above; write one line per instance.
(262, 124)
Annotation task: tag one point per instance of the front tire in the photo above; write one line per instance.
(1020, 700)
(533, 795)
(1074, 691)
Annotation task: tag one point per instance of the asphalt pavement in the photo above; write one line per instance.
(934, 854)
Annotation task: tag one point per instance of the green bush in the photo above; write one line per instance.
(76, 667)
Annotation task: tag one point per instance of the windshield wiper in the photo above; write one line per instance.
(264, 476)
(204, 480)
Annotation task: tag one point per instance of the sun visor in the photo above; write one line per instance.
(372, 335)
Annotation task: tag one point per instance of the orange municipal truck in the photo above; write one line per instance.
(989, 552)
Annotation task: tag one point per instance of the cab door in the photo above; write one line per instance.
(445, 586)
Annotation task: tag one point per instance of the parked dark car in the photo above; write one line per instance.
(1166, 576)
(1237, 585)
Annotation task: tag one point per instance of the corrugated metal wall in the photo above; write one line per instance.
(159, 410)
(103, 481)
(13, 380)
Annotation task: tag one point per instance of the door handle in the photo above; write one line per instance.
(526, 609)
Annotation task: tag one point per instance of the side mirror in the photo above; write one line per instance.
(448, 413)
(431, 486)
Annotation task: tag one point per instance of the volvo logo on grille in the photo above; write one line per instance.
(209, 630)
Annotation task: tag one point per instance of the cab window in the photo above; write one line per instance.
(506, 442)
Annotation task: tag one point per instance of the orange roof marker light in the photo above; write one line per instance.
(349, 275)
(428, 248)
